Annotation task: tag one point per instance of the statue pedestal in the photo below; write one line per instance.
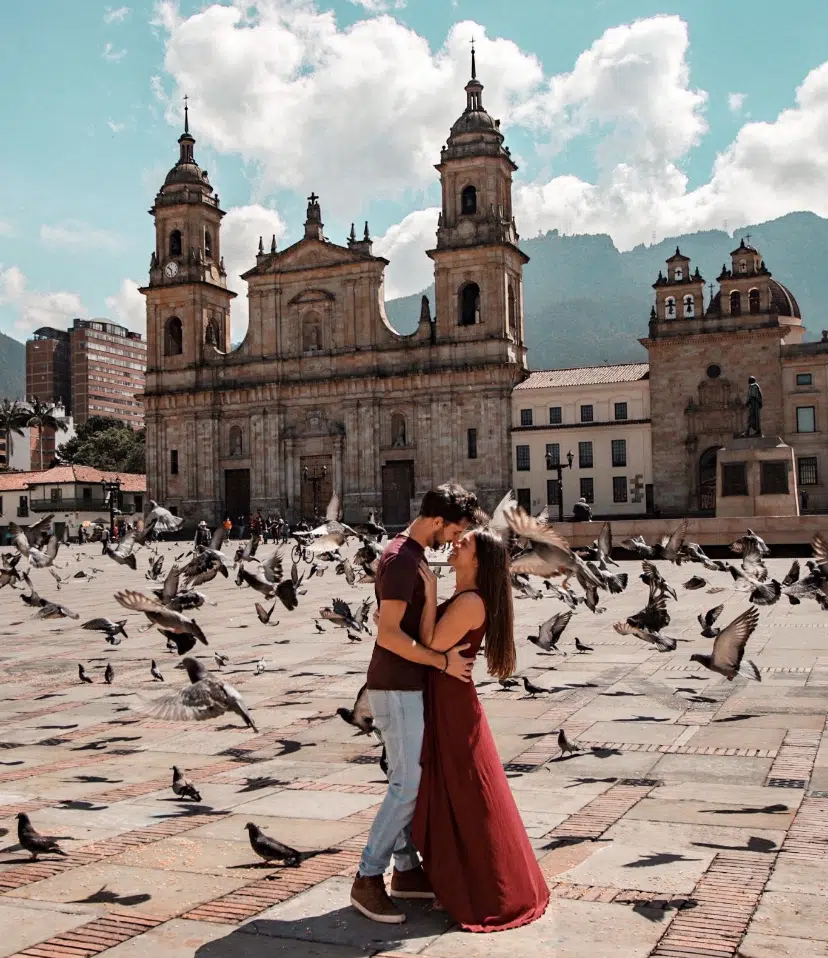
(756, 477)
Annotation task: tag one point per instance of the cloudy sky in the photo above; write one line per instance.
(636, 118)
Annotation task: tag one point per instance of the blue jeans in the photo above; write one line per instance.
(399, 718)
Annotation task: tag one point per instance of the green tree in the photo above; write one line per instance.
(109, 445)
(41, 416)
(14, 416)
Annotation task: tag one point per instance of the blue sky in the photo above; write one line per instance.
(89, 124)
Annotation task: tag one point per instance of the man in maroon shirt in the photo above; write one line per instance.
(396, 679)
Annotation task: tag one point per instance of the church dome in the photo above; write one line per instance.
(474, 119)
(782, 300)
(186, 170)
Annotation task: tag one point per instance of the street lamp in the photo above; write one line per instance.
(315, 479)
(112, 489)
(559, 467)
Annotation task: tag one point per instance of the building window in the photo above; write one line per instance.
(773, 478)
(678, 274)
(524, 499)
(470, 305)
(86, 493)
(734, 479)
(235, 441)
(689, 307)
(553, 490)
(619, 452)
(585, 455)
(587, 414)
(714, 371)
(139, 503)
(471, 443)
(620, 410)
(804, 379)
(807, 470)
(526, 417)
(806, 419)
(588, 489)
(175, 243)
(173, 337)
(555, 416)
(670, 307)
(754, 302)
(56, 495)
(23, 506)
(522, 458)
(553, 454)
(468, 201)
(736, 303)
(512, 309)
(619, 488)
(174, 462)
(208, 244)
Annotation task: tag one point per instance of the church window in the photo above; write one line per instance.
(670, 307)
(754, 302)
(174, 462)
(235, 441)
(173, 337)
(398, 437)
(470, 305)
(714, 371)
(468, 201)
(742, 266)
(175, 243)
(471, 443)
(512, 309)
(208, 244)
(736, 303)
(689, 307)
(804, 379)
(806, 419)
(678, 274)
(311, 334)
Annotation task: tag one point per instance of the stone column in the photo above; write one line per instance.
(338, 472)
(290, 484)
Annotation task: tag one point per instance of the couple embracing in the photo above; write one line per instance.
(448, 801)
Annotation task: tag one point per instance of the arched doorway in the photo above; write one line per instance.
(707, 479)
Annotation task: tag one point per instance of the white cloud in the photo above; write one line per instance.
(33, 309)
(113, 55)
(404, 244)
(735, 102)
(379, 6)
(115, 15)
(128, 307)
(6, 229)
(116, 127)
(76, 235)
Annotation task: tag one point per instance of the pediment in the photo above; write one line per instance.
(312, 254)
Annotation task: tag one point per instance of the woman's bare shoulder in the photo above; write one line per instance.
(472, 604)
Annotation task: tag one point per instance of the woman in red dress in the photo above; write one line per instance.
(466, 826)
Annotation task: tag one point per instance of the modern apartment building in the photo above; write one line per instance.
(49, 366)
(108, 366)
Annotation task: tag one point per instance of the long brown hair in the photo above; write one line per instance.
(495, 588)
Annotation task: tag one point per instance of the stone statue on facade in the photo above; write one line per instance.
(754, 409)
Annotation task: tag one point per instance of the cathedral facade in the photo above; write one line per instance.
(323, 394)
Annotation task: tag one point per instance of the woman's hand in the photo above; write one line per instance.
(429, 581)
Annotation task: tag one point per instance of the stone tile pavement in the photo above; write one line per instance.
(694, 822)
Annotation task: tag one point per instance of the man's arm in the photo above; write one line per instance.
(390, 636)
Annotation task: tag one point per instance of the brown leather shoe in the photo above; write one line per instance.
(411, 884)
(369, 897)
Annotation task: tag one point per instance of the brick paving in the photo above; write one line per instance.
(693, 806)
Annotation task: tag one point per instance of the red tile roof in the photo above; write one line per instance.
(130, 481)
(586, 376)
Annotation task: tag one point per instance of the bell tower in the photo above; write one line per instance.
(188, 303)
(478, 272)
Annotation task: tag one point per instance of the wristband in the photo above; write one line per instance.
(445, 667)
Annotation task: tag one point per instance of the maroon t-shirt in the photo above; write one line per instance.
(398, 577)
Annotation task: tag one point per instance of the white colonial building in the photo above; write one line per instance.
(599, 414)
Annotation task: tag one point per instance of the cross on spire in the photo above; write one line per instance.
(747, 237)
(186, 115)
(473, 64)
(313, 198)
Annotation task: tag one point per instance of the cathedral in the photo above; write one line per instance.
(324, 394)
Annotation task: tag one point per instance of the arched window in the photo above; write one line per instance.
(208, 244)
(398, 437)
(512, 309)
(235, 441)
(468, 201)
(470, 305)
(678, 275)
(754, 302)
(670, 307)
(689, 307)
(736, 303)
(173, 337)
(311, 334)
(742, 266)
(175, 243)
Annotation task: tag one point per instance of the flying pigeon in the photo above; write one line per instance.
(706, 620)
(163, 519)
(158, 614)
(729, 649)
(107, 626)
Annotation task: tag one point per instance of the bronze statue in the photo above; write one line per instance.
(754, 409)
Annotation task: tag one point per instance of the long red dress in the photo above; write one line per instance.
(466, 825)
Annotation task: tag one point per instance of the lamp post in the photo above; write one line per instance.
(315, 479)
(559, 467)
(111, 488)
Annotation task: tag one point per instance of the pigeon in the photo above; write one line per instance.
(348, 571)
(579, 645)
(753, 563)
(353, 638)
(550, 553)
(261, 666)
(286, 593)
(360, 716)
(695, 582)
(155, 566)
(797, 589)
(207, 562)
(706, 620)
(647, 625)
(109, 673)
(550, 632)
(265, 614)
(182, 787)
(729, 649)
(205, 698)
(40, 559)
(178, 642)
(508, 683)
(526, 590)
(533, 690)
(340, 614)
(107, 626)
(157, 676)
(654, 578)
(565, 745)
(54, 610)
(668, 547)
(269, 849)
(33, 533)
(761, 593)
(122, 553)
(33, 841)
(163, 520)
(318, 627)
(750, 541)
(82, 675)
(603, 545)
(221, 659)
(158, 614)
(563, 594)
(256, 582)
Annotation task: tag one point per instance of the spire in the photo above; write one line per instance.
(474, 88)
(273, 244)
(352, 236)
(261, 246)
(187, 116)
(474, 65)
(366, 236)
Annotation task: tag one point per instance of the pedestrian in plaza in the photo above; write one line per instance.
(81, 535)
(467, 827)
(581, 511)
(396, 679)
(202, 535)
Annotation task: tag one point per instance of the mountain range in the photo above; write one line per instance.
(586, 303)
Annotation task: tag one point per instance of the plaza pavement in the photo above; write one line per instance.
(695, 823)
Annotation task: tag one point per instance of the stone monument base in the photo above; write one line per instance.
(756, 476)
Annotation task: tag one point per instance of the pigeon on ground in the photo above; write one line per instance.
(82, 675)
(157, 676)
(579, 645)
(158, 614)
(508, 683)
(261, 666)
(318, 627)
(107, 626)
(533, 690)
(729, 649)
(205, 698)
(706, 620)
(565, 745)
(221, 659)
(33, 841)
(269, 849)
(109, 673)
(182, 787)
(360, 716)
